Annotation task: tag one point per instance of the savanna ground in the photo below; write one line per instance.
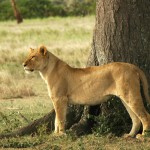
(24, 98)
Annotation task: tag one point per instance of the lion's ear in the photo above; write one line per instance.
(43, 50)
(31, 50)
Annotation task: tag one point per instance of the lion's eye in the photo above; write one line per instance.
(33, 58)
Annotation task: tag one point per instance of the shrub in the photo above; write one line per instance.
(46, 8)
(115, 121)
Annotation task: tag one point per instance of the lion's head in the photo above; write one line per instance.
(36, 59)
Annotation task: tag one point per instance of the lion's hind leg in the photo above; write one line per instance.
(136, 123)
(136, 105)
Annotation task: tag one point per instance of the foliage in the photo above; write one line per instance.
(46, 8)
(115, 120)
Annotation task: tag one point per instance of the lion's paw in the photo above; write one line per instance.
(140, 137)
(128, 136)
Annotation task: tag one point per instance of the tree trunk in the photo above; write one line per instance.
(121, 34)
(17, 14)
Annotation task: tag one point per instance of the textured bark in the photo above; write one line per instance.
(17, 14)
(122, 33)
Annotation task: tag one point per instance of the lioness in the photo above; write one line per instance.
(90, 86)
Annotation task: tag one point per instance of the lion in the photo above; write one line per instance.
(91, 86)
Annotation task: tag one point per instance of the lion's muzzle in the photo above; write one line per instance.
(26, 68)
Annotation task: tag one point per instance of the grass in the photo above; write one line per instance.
(70, 142)
(63, 36)
(24, 98)
(60, 35)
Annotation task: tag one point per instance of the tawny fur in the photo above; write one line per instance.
(91, 86)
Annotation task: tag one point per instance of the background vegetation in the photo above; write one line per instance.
(46, 8)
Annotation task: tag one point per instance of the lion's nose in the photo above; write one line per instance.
(24, 64)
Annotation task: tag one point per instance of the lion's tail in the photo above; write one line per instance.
(144, 85)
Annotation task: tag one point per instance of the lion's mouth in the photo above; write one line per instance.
(28, 70)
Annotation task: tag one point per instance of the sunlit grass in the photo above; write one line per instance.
(71, 34)
(69, 38)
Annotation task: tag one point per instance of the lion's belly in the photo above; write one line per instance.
(88, 100)
(91, 92)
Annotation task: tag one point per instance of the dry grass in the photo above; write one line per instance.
(69, 38)
(65, 35)
(12, 87)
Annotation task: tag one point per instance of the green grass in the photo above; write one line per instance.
(70, 142)
(24, 98)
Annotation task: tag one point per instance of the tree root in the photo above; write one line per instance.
(73, 116)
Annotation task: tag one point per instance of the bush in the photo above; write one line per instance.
(46, 8)
(6, 10)
(116, 121)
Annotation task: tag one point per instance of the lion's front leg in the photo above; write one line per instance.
(56, 126)
(60, 106)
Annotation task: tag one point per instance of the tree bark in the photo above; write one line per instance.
(17, 14)
(122, 33)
